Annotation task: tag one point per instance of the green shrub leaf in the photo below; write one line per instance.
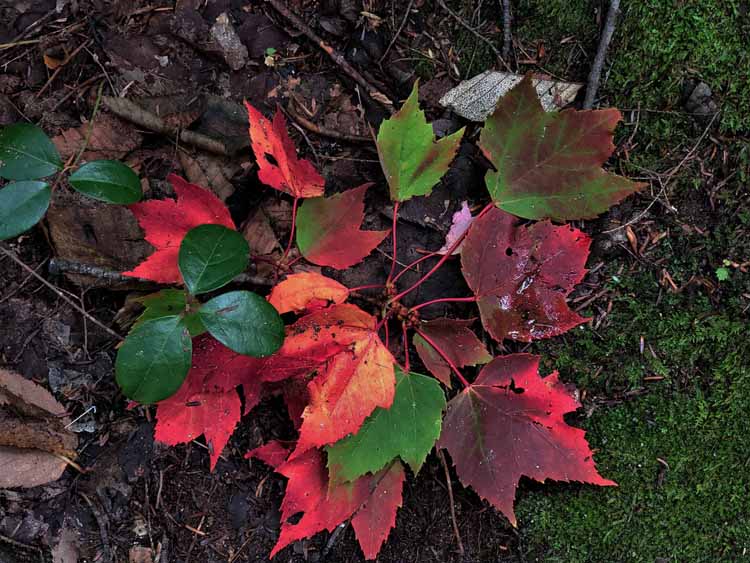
(244, 322)
(210, 256)
(154, 359)
(107, 180)
(166, 303)
(22, 205)
(27, 153)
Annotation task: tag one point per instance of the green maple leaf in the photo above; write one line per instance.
(408, 429)
(413, 162)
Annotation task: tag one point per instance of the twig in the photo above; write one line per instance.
(507, 37)
(318, 130)
(335, 55)
(90, 130)
(474, 32)
(398, 31)
(452, 502)
(601, 53)
(128, 110)
(12, 255)
(59, 68)
(76, 89)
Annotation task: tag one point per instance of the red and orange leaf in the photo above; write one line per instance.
(328, 232)
(301, 291)
(272, 453)
(508, 424)
(456, 340)
(285, 172)
(522, 275)
(166, 222)
(372, 500)
(549, 164)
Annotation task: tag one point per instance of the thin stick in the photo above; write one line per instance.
(439, 350)
(337, 57)
(471, 299)
(507, 37)
(410, 266)
(369, 286)
(90, 130)
(393, 236)
(601, 53)
(398, 31)
(59, 68)
(60, 294)
(322, 131)
(452, 502)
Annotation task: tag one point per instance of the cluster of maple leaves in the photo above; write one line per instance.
(361, 414)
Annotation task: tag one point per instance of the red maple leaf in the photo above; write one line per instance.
(522, 274)
(277, 159)
(306, 290)
(166, 222)
(509, 423)
(272, 453)
(328, 232)
(370, 501)
(456, 340)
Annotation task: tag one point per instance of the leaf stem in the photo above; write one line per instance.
(471, 299)
(407, 365)
(440, 351)
(393, 236)
(369, 286)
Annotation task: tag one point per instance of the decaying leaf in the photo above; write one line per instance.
(212, 171)
(259, 234)
(522, 275)
(508, 424)
(110, 138)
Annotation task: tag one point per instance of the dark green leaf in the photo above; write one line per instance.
(244, 322)
(154, 359)
(166, 303)
(210, 256)
(22, 205)
(26, 153)
(107, 180)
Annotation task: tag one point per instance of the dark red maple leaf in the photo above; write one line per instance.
(277, 159)
(508, 424)
(456, 340)
(370, 501)
(166, 222)
(522, 275)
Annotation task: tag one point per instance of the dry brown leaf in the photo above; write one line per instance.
(259, 234)
(210, 171)
(111, 138)
(140, 554)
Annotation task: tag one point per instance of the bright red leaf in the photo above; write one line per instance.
(166, 222)
(456, 340)
(522, 275)
(370, 501)
(306, 290)
(508, 424)
(277, 157)
(272, 453)
(328, 232)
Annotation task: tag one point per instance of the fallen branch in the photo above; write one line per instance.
(335, 55)
(507, 37)
(601, 53)
(135, 114)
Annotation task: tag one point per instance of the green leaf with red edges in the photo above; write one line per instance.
(371, 502)
(277, 159)
(522, 275)
(549, 164)
(166, 222)
(328, 232)
(456, 340)
(412, 160)
(299, 291)
(508, 424)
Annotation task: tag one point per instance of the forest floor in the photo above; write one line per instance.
(663, 367)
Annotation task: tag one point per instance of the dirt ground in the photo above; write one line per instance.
(138, 498)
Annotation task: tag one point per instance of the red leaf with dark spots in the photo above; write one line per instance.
(166, 222)
(522, 275)
(508, 424)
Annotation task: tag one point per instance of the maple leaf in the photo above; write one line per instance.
(508, 424)
(456, 340)
(371, 502)
(407, 429)
(549, 164)
(522, 274)
(166, 222)
(277, 159)
(460, 223)
(272, 453)
(328, 232)
(413, 162)
(306, 290)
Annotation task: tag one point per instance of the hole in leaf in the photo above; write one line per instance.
(295, 518)
(271, 159)
(517, 390)
(509, 251)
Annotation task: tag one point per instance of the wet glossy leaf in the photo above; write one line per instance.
(107, 180)
(211, 256)
(22, 205)
(244, 322)
(26, 153)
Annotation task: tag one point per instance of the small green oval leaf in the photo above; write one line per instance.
(22, 205)
(107, 180)
(154, 359)
(27, 153)
(167, 303)
(210, 256)
(244, 322)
